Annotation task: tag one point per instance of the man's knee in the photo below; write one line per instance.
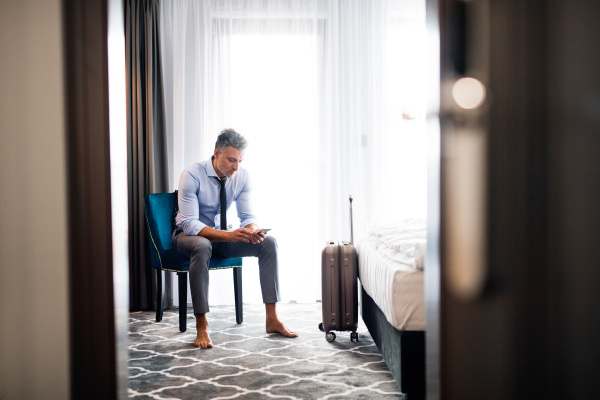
(201, 247)
(270, 242)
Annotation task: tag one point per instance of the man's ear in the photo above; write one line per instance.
(216, 153)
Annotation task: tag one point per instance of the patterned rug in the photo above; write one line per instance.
(248, 363)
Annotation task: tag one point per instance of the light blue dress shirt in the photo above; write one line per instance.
(199, 197)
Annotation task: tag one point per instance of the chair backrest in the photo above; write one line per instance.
(159, 220)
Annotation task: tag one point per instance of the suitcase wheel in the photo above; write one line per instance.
(321, 327)
(330, 336)
(354, 336)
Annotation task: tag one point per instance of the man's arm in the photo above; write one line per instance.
(245, 214)
(188, 204)
(246, 234)
(243, 204)
(239, 235)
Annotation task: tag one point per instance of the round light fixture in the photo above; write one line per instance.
(468, 93)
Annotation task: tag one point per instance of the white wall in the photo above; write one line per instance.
(34, 331)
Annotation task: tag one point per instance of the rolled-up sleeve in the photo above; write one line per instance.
(244, 204)
(189, 188)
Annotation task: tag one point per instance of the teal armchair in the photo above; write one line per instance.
(160, 214)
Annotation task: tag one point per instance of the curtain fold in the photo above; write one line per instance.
(146, 143)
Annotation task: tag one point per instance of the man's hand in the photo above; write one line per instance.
(246, 235)
(256, 237)
(241, 235)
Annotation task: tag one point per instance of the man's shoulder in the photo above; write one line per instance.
(196, 169)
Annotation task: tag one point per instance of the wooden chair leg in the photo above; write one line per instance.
(182, 301)
(160, 294)
(237, 288)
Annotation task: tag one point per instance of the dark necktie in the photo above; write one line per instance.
(223, 205)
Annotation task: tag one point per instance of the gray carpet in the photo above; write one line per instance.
(247, 363)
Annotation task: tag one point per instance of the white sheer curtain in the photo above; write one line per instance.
(319, 88)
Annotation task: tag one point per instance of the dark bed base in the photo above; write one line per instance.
(403, 351)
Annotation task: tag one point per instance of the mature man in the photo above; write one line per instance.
(206, 190)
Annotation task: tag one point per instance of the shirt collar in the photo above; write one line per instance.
(210, 170)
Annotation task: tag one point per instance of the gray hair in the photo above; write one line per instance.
(229, 137)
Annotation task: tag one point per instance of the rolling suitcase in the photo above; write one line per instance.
(339, 274)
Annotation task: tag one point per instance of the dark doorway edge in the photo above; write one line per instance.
(92, 325)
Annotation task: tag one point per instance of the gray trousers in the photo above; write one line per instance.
(199, 250)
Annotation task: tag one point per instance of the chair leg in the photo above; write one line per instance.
(160, 294)
(237, 288)
(182, 301)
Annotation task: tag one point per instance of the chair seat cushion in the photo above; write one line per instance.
(218, 262)
(174, 261)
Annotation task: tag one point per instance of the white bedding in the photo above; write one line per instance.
(402, 241)
(395, 287)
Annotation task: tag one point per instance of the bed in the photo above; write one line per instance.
(390, 263)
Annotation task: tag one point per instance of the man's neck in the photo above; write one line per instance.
(214, 163)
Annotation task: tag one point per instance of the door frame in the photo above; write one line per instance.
(97, 337)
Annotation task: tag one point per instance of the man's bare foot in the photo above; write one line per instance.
(202, 339)
(274, 325)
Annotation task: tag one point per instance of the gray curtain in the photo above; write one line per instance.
(146, 144)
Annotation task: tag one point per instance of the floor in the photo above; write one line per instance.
(247, 363)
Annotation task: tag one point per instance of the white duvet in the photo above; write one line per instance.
(402, 241)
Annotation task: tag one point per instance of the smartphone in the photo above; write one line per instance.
(265, 230)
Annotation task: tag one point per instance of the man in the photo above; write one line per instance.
(204, 189)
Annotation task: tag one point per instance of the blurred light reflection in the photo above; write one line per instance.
(469, 93)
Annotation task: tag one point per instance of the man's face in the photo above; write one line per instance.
(228, 161)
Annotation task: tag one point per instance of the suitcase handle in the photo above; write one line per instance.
(351, 224)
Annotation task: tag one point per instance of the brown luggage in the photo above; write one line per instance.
(339, 286)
